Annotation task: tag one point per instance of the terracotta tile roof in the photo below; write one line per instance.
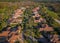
(13, 38)
(18, 12)
(36, 21)
(55, 38)
(4, 33)
(35, 9)
(47, 28)
(27, 6)
(17, 21)
(57, 41)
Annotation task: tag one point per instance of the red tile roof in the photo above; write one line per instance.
(35, 9)
(47, 28)
(4, 33)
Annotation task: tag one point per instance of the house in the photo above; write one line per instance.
(35, 12)
(18, 13)
(55, 39)
(17, 17)
(36, 9)
(12, 34)
(17, 20)
(4, 33)
(39, 19)
(13, 38)
(16, 35)
(27, 6)
(45, 27)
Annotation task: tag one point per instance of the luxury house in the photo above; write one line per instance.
(17, 17)
(45, 27)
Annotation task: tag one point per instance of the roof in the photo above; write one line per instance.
(35, 9)
(47, 28)
(18, 13)
(4, 33)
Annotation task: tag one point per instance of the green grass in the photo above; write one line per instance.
(51, 13)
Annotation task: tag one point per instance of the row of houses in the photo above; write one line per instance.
(45, 27)
(11, 35)
(37, 18)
